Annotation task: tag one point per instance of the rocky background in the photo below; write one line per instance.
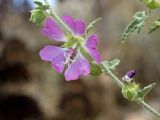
(31, 90)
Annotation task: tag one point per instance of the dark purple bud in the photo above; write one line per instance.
(131, 73)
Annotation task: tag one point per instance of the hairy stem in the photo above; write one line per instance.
(149, 108)
(116, 80)
(58, 19)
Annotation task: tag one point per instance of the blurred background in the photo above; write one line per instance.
(31, 90)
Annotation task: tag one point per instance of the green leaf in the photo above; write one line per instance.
(136, 24)
(92, 24)
(155, 25)
(95, 69)
(112, 64)
(143, 92)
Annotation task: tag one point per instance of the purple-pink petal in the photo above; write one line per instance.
(52, 30)
(58, 64)
(69, 21)
(92, 41)
(77, 26)
(55, 55)
(79, 67)
(91, 47)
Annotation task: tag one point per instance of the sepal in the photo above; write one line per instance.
(95, 69)
(130, 91)
(143, 92)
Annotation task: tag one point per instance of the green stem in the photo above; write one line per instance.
(116, 80)
(58, 19)
(149, 108)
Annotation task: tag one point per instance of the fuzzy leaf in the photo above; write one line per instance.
(92, 24)
(112, 64)
(143, 92)
(155, 25)
(136, 24)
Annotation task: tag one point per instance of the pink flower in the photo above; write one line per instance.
(70, 58)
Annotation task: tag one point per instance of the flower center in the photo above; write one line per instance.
(74, 40)
(70, 55)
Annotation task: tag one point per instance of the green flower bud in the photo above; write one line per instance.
(95, 69)
(152, 4)
(37, 16)
(130, 91)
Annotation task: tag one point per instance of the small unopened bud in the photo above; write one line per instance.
(129, 76)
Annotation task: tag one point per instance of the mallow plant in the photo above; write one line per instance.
(78, 54)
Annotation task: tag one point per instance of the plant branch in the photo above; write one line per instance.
(116, 80)
(149, 108)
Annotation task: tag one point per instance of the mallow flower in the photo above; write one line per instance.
(69, 57)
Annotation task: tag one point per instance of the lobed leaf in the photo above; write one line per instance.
(112, 64)
(136, 24)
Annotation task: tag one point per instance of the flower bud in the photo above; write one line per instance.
(152, 4)
(129, 76)
(130, 91)
(37, 16)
